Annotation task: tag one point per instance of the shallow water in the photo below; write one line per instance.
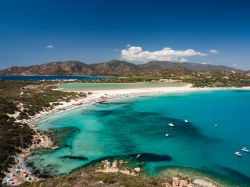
(114, 86)
(139, 125)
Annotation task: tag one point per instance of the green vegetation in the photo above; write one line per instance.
(36, 98)
(13, 137)
(218, 79)
(198, 79)
(25, 98)
(129, 79)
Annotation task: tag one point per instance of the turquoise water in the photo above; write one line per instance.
(114, 86)
(139, 125)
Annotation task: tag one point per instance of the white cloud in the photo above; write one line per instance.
(50, 47)
(137, 54)
(213, 51)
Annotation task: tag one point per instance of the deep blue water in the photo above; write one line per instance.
(139, 125)
(51, 77)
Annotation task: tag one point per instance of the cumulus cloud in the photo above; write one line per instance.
(213, 51)
(137, 54)
(50, 47)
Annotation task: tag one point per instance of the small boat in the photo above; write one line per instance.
(186, 121)
(216, 125)
(137, 156)
(237, 153)
(167, 135)
(171, 124)
(245, 149)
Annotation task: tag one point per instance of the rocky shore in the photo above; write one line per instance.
(118, 173)
(19, 173)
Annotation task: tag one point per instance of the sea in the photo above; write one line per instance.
(208, 128)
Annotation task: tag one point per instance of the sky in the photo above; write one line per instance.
(91, 31)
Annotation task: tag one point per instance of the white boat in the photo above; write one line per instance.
(237, 153)
(245, 149)
(186, 121)
(137, 156)
(171, 124)
(216, 125)
(167, 135)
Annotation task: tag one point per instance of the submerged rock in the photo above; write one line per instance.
(151, 157)
(75, 157)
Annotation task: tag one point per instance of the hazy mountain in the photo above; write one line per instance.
(113, 67)
(52, 68)
(189, 66)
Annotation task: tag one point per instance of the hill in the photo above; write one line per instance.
(189, 66)
(113, 67)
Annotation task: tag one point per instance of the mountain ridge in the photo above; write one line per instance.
(112, 67)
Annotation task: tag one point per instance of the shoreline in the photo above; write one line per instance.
(97, 96)
(42, 140)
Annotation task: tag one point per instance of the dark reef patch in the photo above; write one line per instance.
(114, 103)
(138, 157)
(60, 135)
(43, 172)
(67, 146)
(133, 159)
(151, 157)
(184, 129)
(74, 157)
(236, 174)
(240, 90)
(101, 113)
